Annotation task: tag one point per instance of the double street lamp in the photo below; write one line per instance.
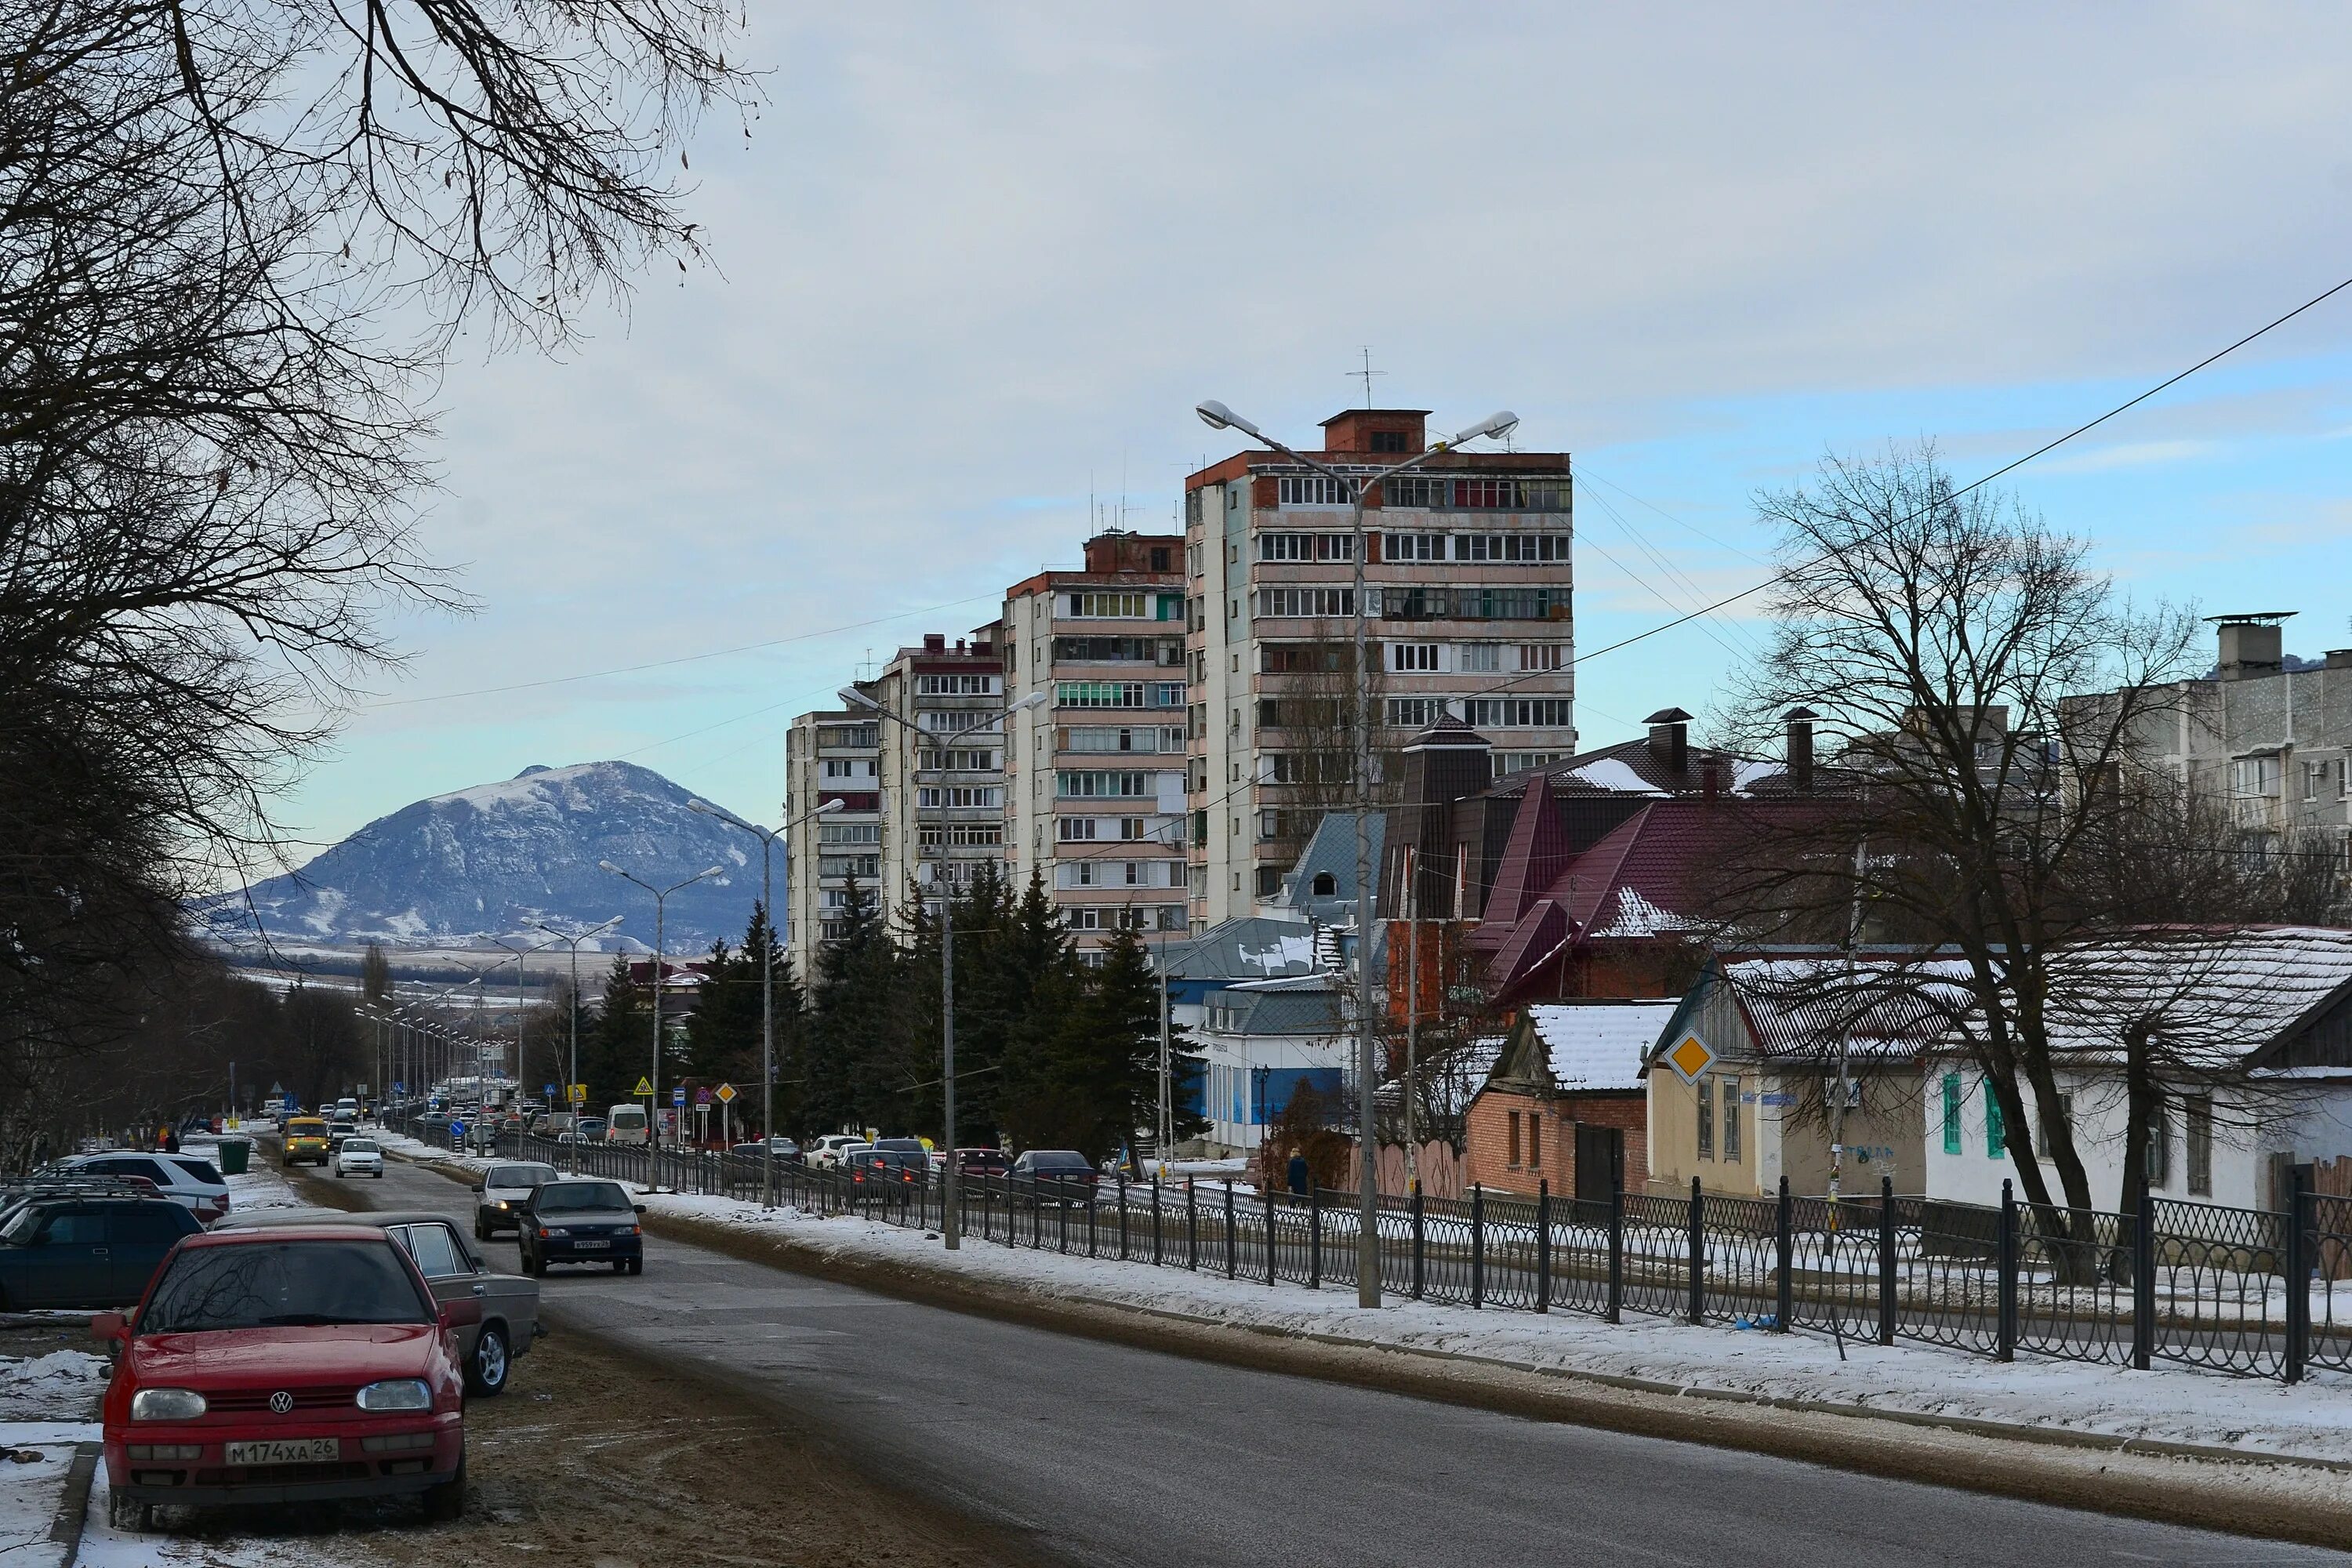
(572, 940)
(767, 837)
(951, 1220)
(661, 900)
(1357, 486)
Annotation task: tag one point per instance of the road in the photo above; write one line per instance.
(1102, 1454)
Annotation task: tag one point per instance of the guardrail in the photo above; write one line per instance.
(2248, 1292)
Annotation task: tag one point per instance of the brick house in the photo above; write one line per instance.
(1565, 1104)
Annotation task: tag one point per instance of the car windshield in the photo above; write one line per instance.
(519, 1176)
(567, 1195)
(282, 1284)
(359, 1146)
(1058, 1163)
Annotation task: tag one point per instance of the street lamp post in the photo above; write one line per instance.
(521, 1005)
(1357, 486)
(573, 941)
(661, 900)
(767, 838)
(951, 1220)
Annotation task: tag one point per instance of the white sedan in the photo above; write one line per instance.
(357, 1157)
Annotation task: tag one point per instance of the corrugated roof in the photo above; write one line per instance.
(1602, 1044)
(1807, 1009)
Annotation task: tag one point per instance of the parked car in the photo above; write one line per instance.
(548, 1124)
(874, 1165)
(824, 1154)
(591, 1129)
(981, 1163)
(190, 1180)
(359, 1157)
(509, 1323)
(501, 1193)
(1052, 1173)
(78, 1251)
(282, 1365)
(786, 1150)
(305, 1142)
(580, 1220)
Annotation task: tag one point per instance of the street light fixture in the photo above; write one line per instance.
(1357, 486)
(520, 1005)
(661, 900)
(572, 940)
(951, 1220)
(767, 838)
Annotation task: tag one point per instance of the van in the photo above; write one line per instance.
(625, 1124)
(548, 1124)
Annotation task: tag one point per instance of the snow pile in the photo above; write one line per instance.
(2313, 1419)
(62, 1386)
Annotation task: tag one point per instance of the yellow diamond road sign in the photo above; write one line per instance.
(726, 1092)
(1690, 1057)
(642, 1086)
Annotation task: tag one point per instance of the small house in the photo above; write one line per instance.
(1564, 1103)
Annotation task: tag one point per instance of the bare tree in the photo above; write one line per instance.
(1935, 630)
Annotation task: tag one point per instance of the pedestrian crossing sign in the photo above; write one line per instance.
(644, 1086)
(579, 1094)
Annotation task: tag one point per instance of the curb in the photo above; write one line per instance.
(73, 1508)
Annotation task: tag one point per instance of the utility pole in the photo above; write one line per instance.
(661, 900)
(1412, 1011)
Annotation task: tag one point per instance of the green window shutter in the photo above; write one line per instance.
(1996, 1130)
(1951, 1113)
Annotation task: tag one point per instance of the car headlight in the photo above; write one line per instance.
(500, 1203)
(396, 1393)
(166, 1405)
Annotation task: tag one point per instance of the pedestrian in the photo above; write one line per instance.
(171, 1141)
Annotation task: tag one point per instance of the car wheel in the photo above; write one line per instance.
(487, 1368)
(620, 1266)
(534, 1266)
(481, 1231)
(446, 1504)
(636, 1265)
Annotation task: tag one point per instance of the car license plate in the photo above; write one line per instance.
(298, 1451)
(590, 1244)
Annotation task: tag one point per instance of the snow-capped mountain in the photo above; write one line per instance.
(460, 868)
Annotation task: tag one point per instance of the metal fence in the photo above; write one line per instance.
(2249, 1292)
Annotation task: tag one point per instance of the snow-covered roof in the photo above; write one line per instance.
(1615, 776)
(1812, 1007)
(2218, 995)
(1600, 1044)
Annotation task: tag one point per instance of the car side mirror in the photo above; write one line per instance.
(639, 1208)
(113, 1327)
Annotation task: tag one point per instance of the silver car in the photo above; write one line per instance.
(509, 1303)
(501, 1193)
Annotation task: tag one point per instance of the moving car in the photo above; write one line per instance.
(981, 1163)
(502, 1191)
(548, 1124)
(879, 1164)
(591, 1129)
(339, 1127)
(189, 1180)
(288, 1365)
(359, 1157)
(73, 1251)
(509, 1323)
(580, 1220)
(786, 1150)
(305, 1142)
(625, 1124)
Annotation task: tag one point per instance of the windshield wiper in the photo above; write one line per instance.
(299, 1320)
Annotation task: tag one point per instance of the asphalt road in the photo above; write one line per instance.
(1104, 1454)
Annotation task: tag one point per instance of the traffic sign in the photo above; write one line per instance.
(678, 1094)
(1690, 1057)
(579, 1094)
(701, 1097)
(644, 1087)
(549, 1090)
(726, 1093)
(401, 1087)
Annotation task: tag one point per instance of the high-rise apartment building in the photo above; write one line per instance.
(830, 755)
(1468, 578)
(942, 765)
(1095, 777)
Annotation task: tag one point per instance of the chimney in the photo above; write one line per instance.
(2252, 643)
(1670, 740)
(935, 642)
(959, 647)
(1800, 748)
(2339, 659)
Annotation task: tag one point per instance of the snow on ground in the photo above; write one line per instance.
(31, 1479)
(62, 1386)
(2312, 1420)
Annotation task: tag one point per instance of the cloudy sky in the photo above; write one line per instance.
(975, 264)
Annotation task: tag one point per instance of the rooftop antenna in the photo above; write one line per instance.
(1366, 373)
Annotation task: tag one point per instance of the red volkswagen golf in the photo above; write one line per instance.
(283, 1366)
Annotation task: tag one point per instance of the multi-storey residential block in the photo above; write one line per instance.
(942, 763)
(1468, 578)
(1094, 778)
(830, 755)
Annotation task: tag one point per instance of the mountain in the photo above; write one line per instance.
(460, 868)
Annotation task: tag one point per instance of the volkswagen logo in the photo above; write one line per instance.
(280, 1403)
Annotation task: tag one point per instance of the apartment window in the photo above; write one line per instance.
(1413, 656)
(1305, 768)
(848, 736)
(1706, 1116)
(2254, 776)
(1100, 694)
(1306, 547)
(1413, 547)
(1521, 761)
(1996, 1125)
(1312, 490)
(847, 768)
(1305, 603)
(1074, 829)
(1122, 737)
(1131, 829)
(1494, 604)
(1479, 657)
(960, 797)
(1517, 712)
(1388, 440)
(955, 686)
(1173, 917)
(1951, 1113)
(1513, 1140)
(1415, 489)
(849, 833)
(1118, 650)
(1305, 658)
(1512, 547)
(2344, 776)
(866, 866)
(1731, 1119)
(2311, 772)
(1168, 694)
(2159, 1141)
(1415, 712)
(1543, 656)
(1159, 558)
(1109, 606)
(2196, 1119)
(961, 834)
(1269, 881)
(958, 761)
(1090, 785)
